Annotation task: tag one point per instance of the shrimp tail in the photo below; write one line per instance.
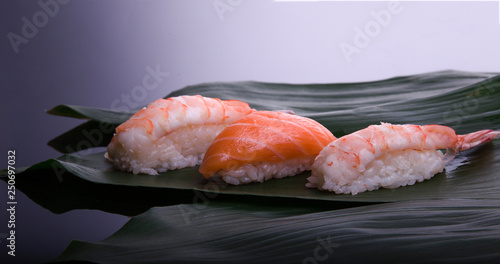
(476, 138)
(450, 154)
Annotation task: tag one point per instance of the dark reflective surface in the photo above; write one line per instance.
(96, 53)
(42, 235)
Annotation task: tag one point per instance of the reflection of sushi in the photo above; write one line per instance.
(171, 133)
(389, 156)
(265, 145)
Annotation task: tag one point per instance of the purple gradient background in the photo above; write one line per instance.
(92, 52)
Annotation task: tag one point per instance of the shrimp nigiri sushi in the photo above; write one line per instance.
(171, 133)
(389, 156)
(265, 145)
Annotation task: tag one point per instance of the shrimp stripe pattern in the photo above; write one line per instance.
(165, 115)
(345, 160)
(171, 133)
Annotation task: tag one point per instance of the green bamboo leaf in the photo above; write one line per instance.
(431, 231)
(475, 177)
(465, 101)
(282, 224)
(97, 114)
(446, 97)
(90, 134)
(54, 188)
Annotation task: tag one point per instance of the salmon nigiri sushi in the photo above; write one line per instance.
(265, 145)
(389, 156)
(171, 133)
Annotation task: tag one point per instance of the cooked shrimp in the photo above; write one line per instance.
(171, 133)
(389, 156)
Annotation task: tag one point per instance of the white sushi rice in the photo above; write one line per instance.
(391, 170)
(263, 171)
(184, 147)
